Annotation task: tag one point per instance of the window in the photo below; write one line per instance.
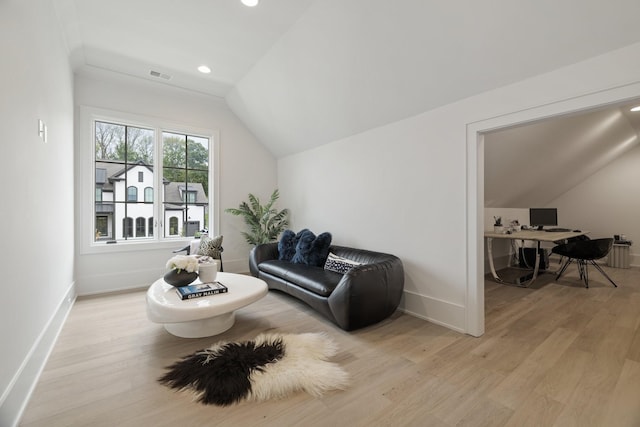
(132, 194)
(148, 195)
(127, 227)
(102, 227)
(141, 224)
(189, 196)
(186, 168)
(145, 175)
(173, 226)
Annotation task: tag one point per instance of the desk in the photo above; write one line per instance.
(531, 235)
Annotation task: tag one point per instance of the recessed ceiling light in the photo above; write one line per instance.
(250, 3)
(636, 108)
(204, 69)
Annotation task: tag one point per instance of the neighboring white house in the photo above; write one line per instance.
(124, 203)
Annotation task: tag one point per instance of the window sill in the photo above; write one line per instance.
(139, 246)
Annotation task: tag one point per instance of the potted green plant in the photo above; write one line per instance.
(264, 221)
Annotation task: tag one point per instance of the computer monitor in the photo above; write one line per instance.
(539, 217)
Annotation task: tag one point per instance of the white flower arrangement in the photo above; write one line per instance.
(183, 262)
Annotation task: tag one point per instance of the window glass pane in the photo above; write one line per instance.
(198, 199)
(174, 150)
(186, 173)
(198, 153)
(139, 145)
(111, 183)
(200, 180)
(102, 227)
(123, 170)
(150, 227)
(175, 175)
(139, 212)
(109, 141)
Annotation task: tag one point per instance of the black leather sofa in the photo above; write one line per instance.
(363, 296)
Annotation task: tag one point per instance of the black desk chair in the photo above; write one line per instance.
(585, 252)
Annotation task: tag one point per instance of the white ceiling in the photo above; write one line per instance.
(175, 37)
(533, 164)
(302, 73)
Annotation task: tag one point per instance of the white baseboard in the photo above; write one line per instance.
(436, 311)
(236, 265)
(15, 399)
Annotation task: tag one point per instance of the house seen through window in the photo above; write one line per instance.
(135, 194)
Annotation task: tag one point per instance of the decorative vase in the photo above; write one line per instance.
(208, 271)
(180, 278)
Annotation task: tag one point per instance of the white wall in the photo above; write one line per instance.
(37, 195)
(245, 167)
(406, 188)
(607, 202)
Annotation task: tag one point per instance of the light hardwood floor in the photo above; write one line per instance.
(558, 355)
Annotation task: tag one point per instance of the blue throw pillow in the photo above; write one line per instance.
(287, 245)
(320, 249)
(303, 246)
(312, 250)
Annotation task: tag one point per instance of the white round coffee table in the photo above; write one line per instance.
(204, 316)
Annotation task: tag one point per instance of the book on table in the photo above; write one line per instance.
(201, 290)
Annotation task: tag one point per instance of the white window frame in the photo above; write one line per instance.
(88, 116)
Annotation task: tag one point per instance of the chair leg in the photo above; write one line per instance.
(603, 273)
(564, 267)
(584, 273)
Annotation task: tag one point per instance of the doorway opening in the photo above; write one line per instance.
(477, 134)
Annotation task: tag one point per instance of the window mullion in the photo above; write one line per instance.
(158, 200)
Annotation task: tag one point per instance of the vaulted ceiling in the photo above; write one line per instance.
(302, 73)
(533, 164)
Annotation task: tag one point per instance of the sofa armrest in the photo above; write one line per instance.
(260, 253)
(368, 293)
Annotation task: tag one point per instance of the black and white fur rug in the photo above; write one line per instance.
(270, 366)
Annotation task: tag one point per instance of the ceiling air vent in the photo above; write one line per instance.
(159, 75)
